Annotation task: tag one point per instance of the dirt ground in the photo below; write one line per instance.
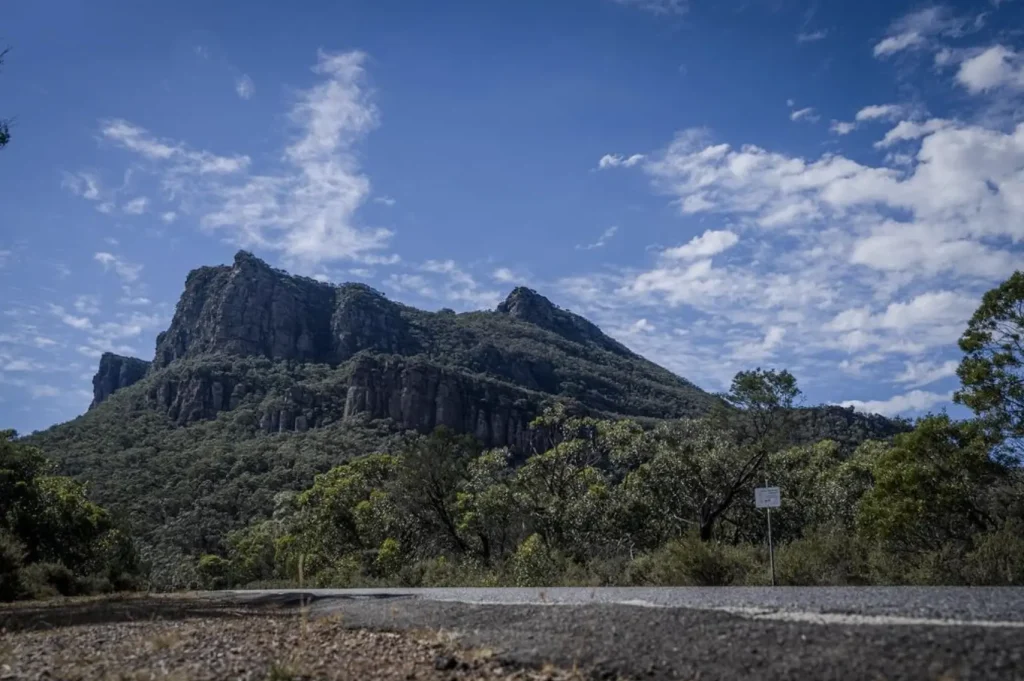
(138, 638)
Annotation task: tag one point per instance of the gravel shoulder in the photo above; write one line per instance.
(183, 638)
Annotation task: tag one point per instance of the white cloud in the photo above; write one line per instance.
(811, 36)
(996, 67)
(309, 214)
(446, 282)
(711, 242)
(43, 342)
(20, 365)
(384, 200)
(169, 216)
(759, 350)
(912, 130)
(898, 43)
(841, 261)
(71, 320)
(914, 401)
(128, 325)
(136, 206)
(185, 160)
(412, 283)
(125, 270)
(658, 7)
(842, 127)
(641, 326)
(602, 240)
(619, 161)
(917, 29)
(244, 87)
(504, 275)
(106, 207)
(38, 391)
(87, 304)
(879, 111)
(83, 184)
(805, 114)
(919, 374)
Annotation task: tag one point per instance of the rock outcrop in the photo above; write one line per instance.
(529, 306)
(484, 373)
(115, 372)
(252, 309)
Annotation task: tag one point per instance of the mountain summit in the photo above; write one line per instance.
(484, 373)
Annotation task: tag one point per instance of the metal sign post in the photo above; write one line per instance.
(769, 498)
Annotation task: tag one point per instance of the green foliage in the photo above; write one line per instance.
(691, 561)
(992, 370)
(214, 571)
(930, 487)
(998, 557)
(535, 564)
(389, 558)
(53, 540)
(826, 556)
(611, 503)
(764, 396)
(12, 560)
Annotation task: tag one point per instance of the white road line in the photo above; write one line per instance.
(860, 620)
(821, 618)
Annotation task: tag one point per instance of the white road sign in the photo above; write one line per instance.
(767, 497)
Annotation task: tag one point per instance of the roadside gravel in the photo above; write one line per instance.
(274, 647)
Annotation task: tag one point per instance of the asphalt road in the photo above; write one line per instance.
(700, 633)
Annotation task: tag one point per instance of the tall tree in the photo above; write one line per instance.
(764, 396)
(992, 370)
(433, 469)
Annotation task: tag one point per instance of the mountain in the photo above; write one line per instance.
(485, 373)
(264, 379)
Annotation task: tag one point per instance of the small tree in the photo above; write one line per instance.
(992, 370)
(764, 396)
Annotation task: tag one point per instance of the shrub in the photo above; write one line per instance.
(823, 558)
(12, 557)
(534, 564)
(445, 572)
(342, 573)
(389, 558)
(48, 580)
(692, 562)
(998, 557)
(214, 572)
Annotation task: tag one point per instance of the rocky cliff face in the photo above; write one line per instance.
(529, 306)
(484, 373)
(115, 372)
(252, 309)
(249, 309)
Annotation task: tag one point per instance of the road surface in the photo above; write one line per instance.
(704, 633)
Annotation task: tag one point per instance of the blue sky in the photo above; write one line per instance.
(823, 186)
